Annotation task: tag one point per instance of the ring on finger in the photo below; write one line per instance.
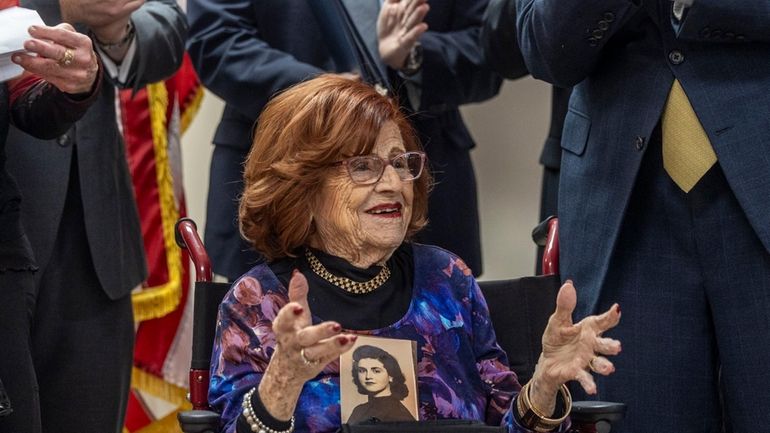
(306, 361)
(591, 365)
(67, 57)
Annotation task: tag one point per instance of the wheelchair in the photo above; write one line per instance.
(518, 334)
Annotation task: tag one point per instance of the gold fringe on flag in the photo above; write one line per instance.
(157, 387)
(157, 301)
(191, 109)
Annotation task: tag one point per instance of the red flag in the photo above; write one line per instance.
(5, 4)
(153, 120)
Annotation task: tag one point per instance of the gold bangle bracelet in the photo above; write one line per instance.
(532, 418)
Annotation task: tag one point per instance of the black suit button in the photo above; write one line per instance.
(609, 17)
(64, 140)
(705, 32)
(676, 57)
(716, 33)
(598, 34)
(639, 142)
(604, 25)
(730, 35)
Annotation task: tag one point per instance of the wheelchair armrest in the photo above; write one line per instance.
(596, 413)
(198, 421)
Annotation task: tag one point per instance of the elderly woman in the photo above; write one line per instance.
(335, 184)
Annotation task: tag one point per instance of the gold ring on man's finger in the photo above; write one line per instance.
(306, 361)
(591, 364)
(67, 57)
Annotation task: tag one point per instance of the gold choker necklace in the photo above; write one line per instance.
(347, 284)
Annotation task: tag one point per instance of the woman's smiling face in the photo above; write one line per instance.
(370, 220)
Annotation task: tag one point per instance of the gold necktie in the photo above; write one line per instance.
(687, 151)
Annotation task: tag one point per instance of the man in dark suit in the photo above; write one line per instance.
(663, 199)
(246, 51)
(79, 213)
(501, 51)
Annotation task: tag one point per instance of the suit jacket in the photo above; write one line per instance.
(246, 51)
(42, 169)
(622, 56)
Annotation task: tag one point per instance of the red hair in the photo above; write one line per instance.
(300, 134)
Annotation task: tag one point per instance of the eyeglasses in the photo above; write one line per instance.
(368, 169)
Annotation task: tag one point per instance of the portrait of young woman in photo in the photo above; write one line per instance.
(377, 375)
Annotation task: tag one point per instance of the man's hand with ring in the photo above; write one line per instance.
(61, 56)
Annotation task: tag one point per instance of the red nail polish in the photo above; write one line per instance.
(294, 272)
(298, 310)
(336, 327)
(353, 338)
(342, 341)
(617, 308)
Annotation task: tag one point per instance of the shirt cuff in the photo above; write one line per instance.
(118, 72)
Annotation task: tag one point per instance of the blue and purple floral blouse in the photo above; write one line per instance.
(461, 371)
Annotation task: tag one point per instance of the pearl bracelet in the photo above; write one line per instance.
(257, 426)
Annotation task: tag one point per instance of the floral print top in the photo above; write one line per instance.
(461, 371)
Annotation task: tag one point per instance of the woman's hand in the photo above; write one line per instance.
(572, 351)
(301, 353)
(399, 25)
(63, 57)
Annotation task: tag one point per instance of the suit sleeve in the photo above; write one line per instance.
(161, 30)
(454, 62)
(45, 112)
(233, 61)
(562, 39)
(727, 21)
(499, 41)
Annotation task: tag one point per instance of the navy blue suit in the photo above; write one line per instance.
(247, 50)
(691, 271)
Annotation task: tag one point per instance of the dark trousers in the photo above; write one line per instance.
(231, 256)
(82, 340)
(453, 211)
(16, 370)
(693, 281)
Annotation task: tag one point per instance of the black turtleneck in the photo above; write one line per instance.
(379, 308)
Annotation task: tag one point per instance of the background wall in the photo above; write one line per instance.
(509, 131)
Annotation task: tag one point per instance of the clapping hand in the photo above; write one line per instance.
(302, 350)
(399, 25)
(572, 351)
(62, 56)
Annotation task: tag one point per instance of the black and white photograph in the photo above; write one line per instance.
(377, 380)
